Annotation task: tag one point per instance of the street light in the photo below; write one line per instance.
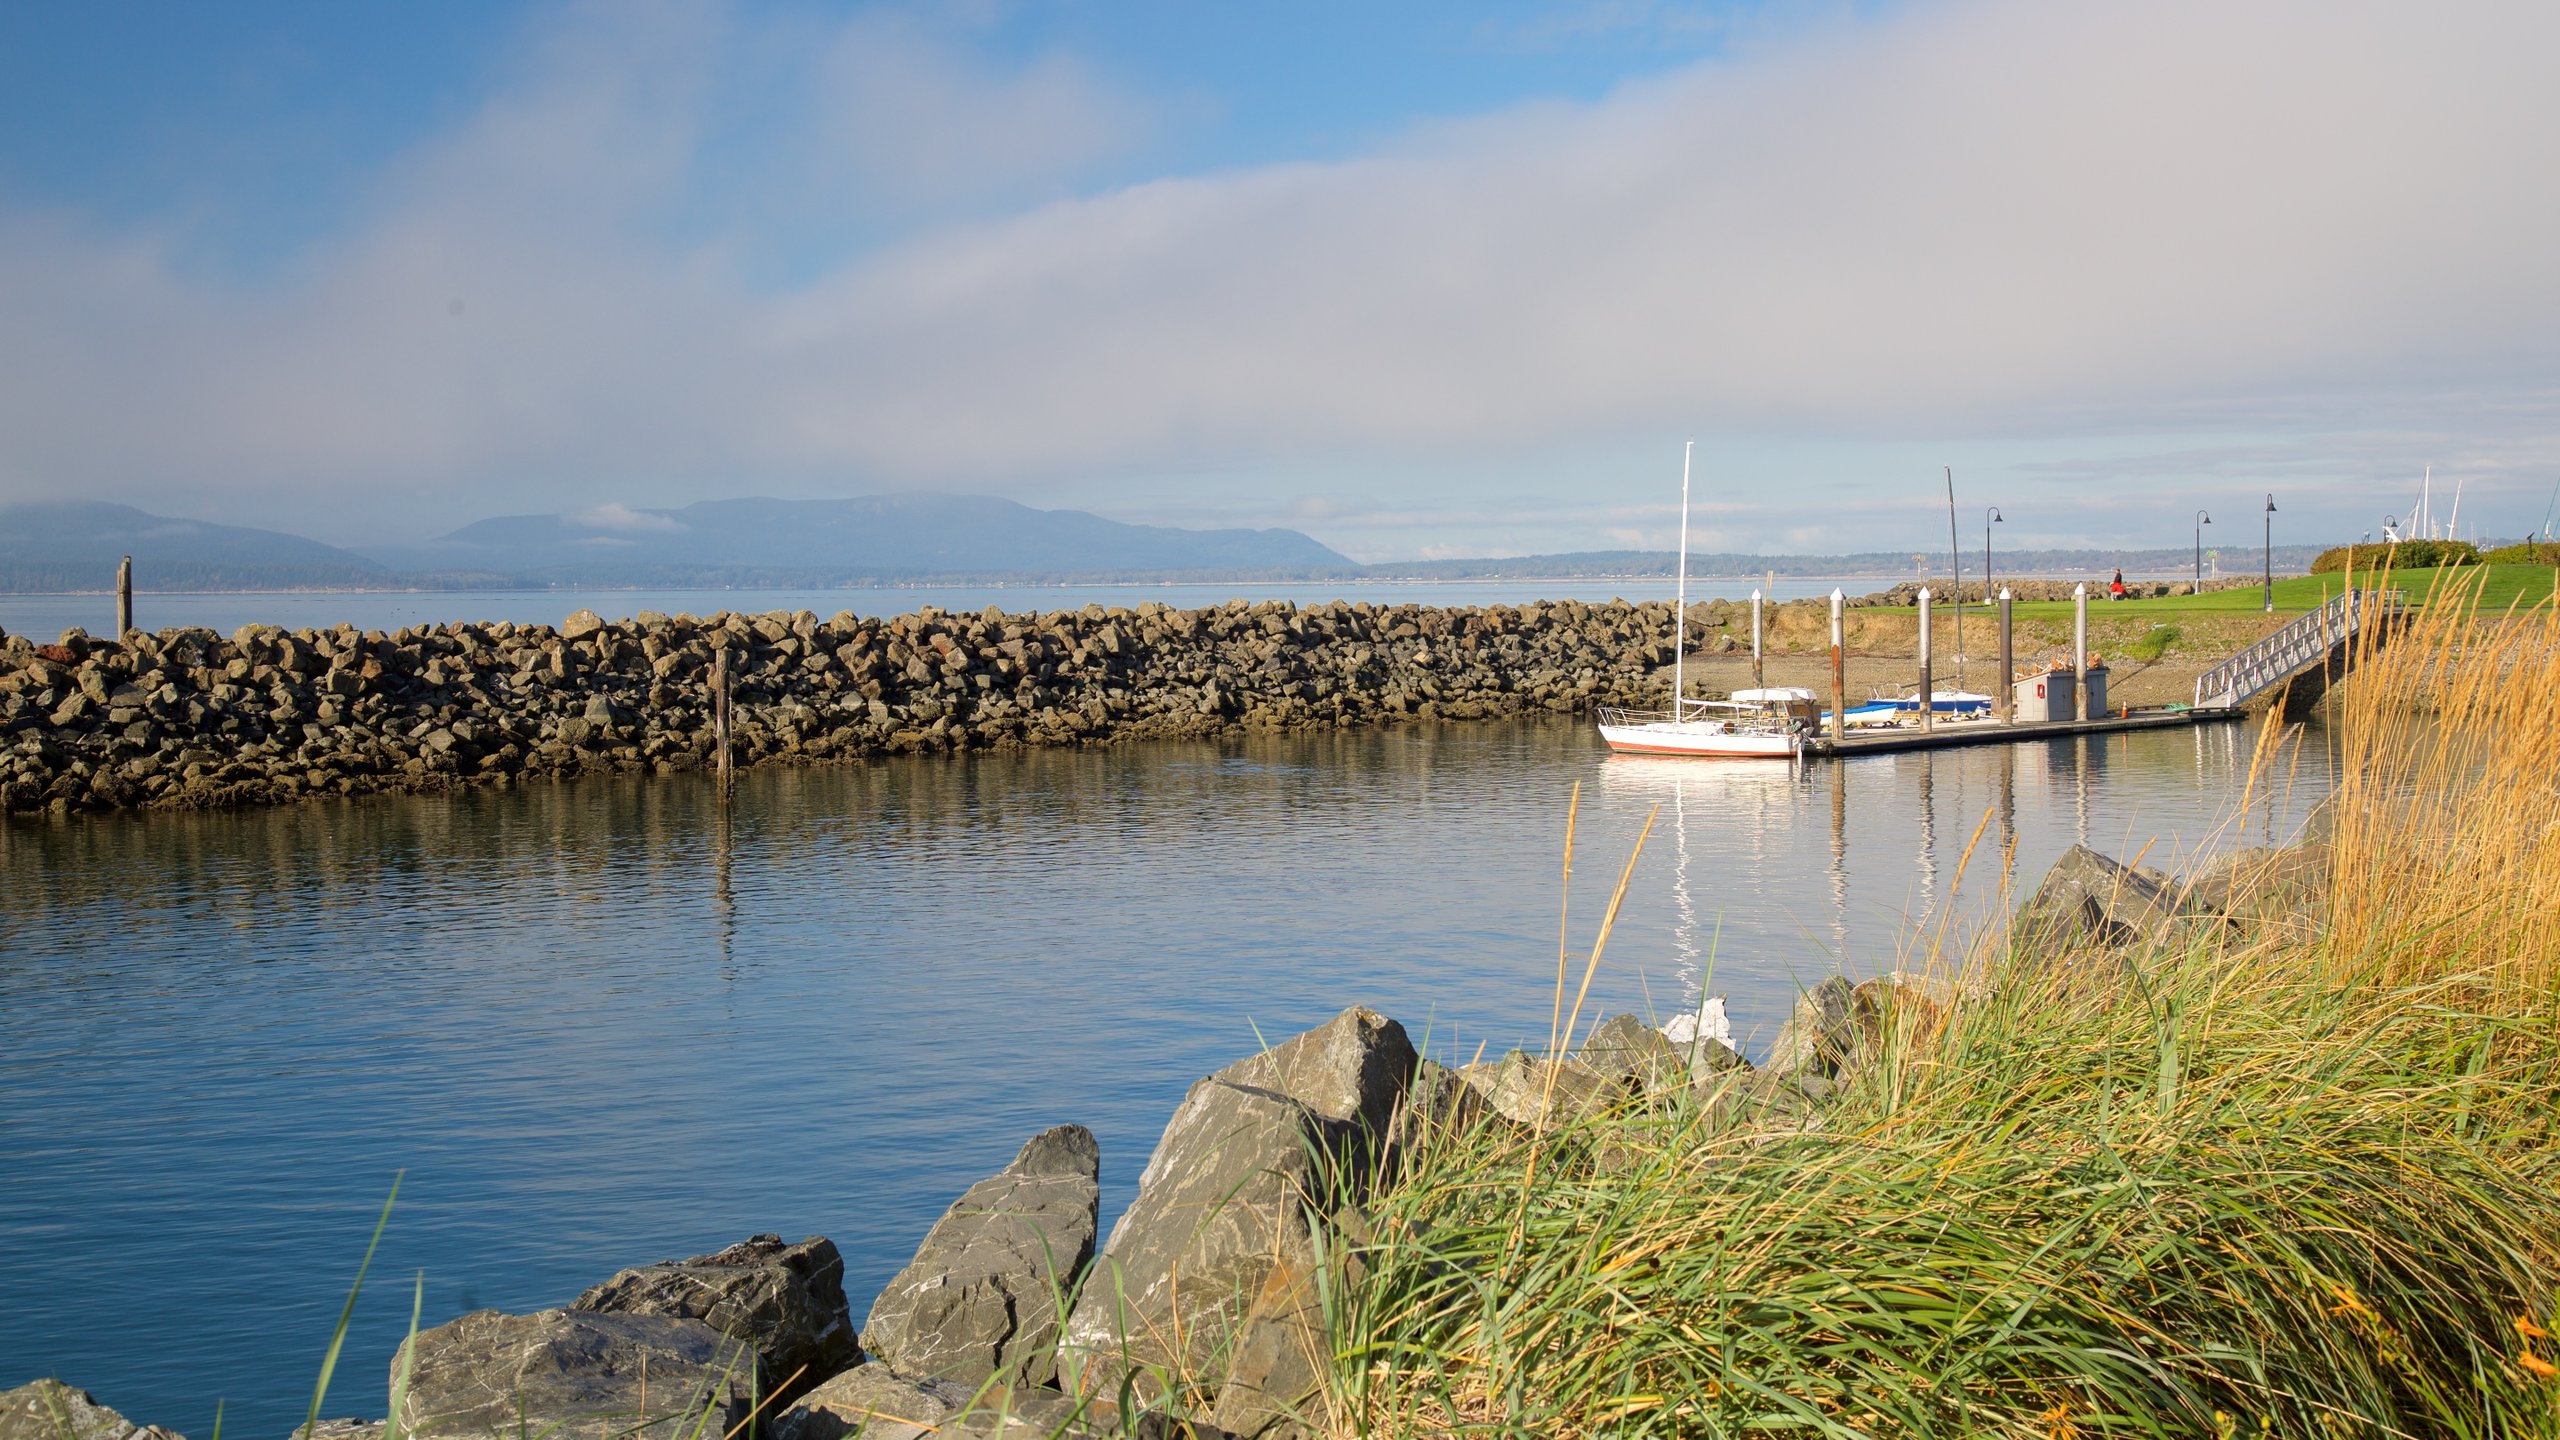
(1987, 517)
(2271, 554)
(2202, 520)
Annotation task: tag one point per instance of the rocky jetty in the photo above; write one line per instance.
(189, 718)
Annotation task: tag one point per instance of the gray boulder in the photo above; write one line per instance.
(575, 1375)
(982, 1296)
(1819, 1036)
(51, 1410)
(785, 1300)
(1542, 1094)
(1227, 1190)
(870, 1402)
(341, 1430)
(1636, 1055)
(1282, 1356)
(2087, 898)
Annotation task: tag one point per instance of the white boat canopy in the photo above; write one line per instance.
(1772, 695)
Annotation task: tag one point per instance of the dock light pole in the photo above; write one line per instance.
(1928, 707)
(2270, 554)
(2202, 520)
(1988, 518)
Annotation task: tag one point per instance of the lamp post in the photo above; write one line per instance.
(1988, 516)
(2270, 554)
(2202, 520)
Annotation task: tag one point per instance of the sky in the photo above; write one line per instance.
(1423, 280)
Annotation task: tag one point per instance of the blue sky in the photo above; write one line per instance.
(1418, 279)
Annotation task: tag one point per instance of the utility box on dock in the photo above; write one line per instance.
(2043, 698)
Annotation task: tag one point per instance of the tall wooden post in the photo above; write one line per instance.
(124, 599)
(1839, 672)
(1928, 706)
(2080, 652)
(2005, 692)
(1756, 672)
(720, 714)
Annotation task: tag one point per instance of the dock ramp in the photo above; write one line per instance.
(2324, 640)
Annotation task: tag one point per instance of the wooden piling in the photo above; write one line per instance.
(2080, 652)
(1756, 672)
(124, 599)
(1928, 706)
(1839, 671)
(720, 715)
(2004, 694)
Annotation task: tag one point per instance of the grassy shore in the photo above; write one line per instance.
(2493, 587)
(2292, 1174)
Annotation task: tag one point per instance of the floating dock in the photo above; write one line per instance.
(1949, 735)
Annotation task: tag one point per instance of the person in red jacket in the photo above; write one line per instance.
(2115, 587)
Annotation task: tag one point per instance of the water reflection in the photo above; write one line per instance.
(608, 1021)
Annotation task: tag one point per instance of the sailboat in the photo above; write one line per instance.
(1763, 724)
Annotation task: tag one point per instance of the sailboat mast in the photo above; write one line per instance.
(1680, 591)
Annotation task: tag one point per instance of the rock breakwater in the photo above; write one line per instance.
(190, 718)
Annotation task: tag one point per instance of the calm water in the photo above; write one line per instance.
(46, 616)
(600, 1025)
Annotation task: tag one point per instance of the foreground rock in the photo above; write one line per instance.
(982, 1296)
(869, 1401)
(576, 1375)
(2089, 899)
(785, 1300)
(51, 1410)
(1251, 1152)
(1540, 1094)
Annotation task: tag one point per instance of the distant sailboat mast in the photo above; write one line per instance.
(1680, 590)
(2453, 527)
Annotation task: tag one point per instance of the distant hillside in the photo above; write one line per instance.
(75, 545)
(874, 539)
(1877, 564)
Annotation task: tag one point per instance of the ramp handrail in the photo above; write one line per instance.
(2303, 642)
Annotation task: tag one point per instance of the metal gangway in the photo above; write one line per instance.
(2306, 642)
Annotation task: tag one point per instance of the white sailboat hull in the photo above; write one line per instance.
(1708, 738)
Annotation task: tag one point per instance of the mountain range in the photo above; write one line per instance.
(872, 540)
(779, 544)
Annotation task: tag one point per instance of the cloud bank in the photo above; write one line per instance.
(1985, 217)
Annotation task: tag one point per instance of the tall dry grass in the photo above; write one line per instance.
(2448, 799)
(2288, 1177)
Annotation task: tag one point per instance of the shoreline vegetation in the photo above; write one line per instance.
(187, 718)
(2267, 1150)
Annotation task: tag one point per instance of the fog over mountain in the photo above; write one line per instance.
(75, 545)
(873, 539)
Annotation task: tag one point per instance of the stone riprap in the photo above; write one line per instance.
(785, 1300)
(189, 718)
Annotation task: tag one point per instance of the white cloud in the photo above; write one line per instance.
(1974, 219)
(916, 120)
(620, 518)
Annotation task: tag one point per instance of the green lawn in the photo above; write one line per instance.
(2500, 587)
